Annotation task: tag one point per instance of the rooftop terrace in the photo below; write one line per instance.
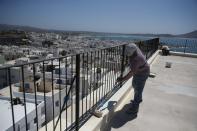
(169, 98)
(169, 101)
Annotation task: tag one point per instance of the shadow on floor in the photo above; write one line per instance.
(120, 118)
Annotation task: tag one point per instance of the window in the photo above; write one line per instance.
(59, 81)
(18, 129)
(57, 103)
(27, 85)
(35, 120)
(42, 111)
(66, 98)
(28, 126)
(57, 71)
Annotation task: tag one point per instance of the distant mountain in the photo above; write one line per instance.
(5, 27)
(192, 34)
(155, 35)
(17, 27)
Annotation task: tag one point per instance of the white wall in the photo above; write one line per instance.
(20, 124)
(49, 101)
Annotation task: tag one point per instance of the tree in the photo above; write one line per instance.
(63, 53)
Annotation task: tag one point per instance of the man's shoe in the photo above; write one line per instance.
(139, 101)
(133, 110)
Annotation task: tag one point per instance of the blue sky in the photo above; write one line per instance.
(120, 16)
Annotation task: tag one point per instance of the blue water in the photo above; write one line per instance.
(187, 45)
(120, 37)
(176, 44)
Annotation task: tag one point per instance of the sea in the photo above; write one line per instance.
(187, 45)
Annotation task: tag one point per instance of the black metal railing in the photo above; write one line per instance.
(184, 45)
(148, 47)
(71, 86)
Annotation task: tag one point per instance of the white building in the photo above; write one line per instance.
(52, 97)
(6, 123)
(15, 75)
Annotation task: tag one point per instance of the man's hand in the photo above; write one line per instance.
(119, 79)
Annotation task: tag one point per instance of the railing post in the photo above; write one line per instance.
(122, 62)
(139, 45)
(11, 99)
(157, 44)
(147, 51)
(77, 90)
(185, 46)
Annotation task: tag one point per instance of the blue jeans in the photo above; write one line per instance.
(138, 84)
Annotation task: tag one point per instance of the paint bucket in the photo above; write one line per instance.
(168, 64)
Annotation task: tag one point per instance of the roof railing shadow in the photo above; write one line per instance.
(116, 119)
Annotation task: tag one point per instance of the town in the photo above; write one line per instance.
(49, 70)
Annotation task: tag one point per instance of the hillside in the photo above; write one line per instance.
(192, 34)
(4, 27)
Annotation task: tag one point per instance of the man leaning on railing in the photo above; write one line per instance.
(140, 70)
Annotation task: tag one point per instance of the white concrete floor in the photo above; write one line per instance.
(169, 100)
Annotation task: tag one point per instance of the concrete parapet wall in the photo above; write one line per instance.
(183, 54)
(153, 57)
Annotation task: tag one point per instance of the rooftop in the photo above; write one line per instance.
(18, 112)
(169, 101)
